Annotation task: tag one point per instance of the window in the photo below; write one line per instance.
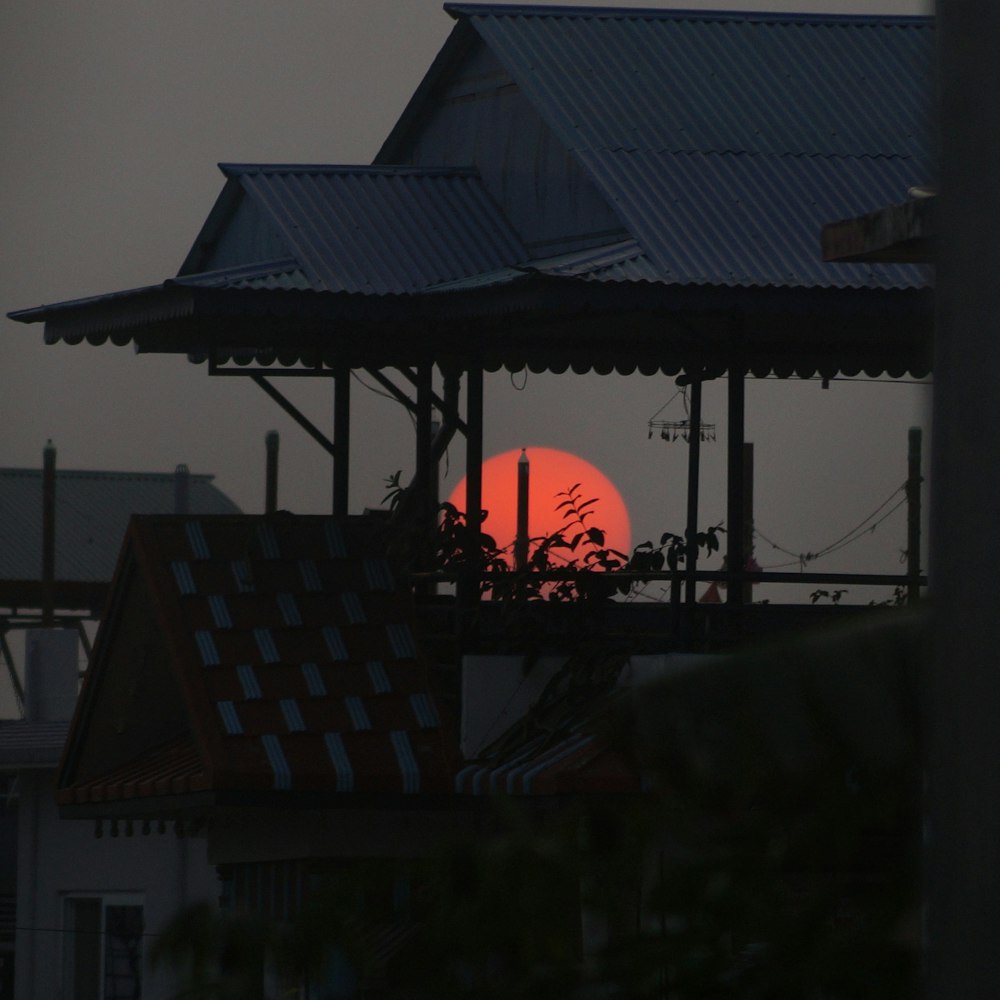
(102, 947)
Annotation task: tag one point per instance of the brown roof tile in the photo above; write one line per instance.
(296, 655)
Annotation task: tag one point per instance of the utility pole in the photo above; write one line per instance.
(962, 682)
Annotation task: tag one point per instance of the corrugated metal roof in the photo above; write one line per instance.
(271, 274)
(689, 81)
(622, 260)
(92, 513)
(560, 745)
(26, 744)
(296, 653)
(725, 141)
(751, 220)
(380, 230)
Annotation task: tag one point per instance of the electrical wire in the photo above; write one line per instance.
(667, 403)
(848, 538)
(385, 395)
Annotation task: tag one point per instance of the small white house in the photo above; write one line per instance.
(88, 906)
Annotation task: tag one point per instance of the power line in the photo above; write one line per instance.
(848, 538)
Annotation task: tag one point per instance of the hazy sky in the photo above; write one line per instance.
(113, 116)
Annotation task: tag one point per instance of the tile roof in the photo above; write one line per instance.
(92, 513)
(296, 655)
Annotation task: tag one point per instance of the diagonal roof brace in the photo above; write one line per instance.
(297, 415)
(446, 407)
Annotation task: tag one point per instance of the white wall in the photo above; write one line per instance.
(57, 857)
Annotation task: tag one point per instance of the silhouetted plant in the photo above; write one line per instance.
(833, 596)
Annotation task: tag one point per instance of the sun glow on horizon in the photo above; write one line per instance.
(552, 472)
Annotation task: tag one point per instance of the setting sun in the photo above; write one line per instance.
(551, 472)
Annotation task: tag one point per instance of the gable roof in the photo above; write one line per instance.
(365, 230)
(282, 658)
(723, 140)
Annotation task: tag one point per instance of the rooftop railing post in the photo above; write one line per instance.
(736, 550)
(913, 515)
(694, 461)
(48, 534)
(341, 439)
(472, 577)
(271, 445)
(182, 489)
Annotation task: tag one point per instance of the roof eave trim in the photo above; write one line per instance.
(119, 317)
(459, 10)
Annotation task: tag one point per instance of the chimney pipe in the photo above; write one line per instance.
(271, 442)
(182, 489)
(48, 534)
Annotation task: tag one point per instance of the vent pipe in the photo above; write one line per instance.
(48, 534)
(182, 489)
(271, 443)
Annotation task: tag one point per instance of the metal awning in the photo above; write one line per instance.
(545, 322)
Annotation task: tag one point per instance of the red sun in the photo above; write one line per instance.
(551, 472)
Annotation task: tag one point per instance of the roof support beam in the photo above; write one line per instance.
(425, 479)
(694, 463)
(15, 682)
(447, 407)
(447, 430)
(296, 414)
(737, 542)
(341, 439)
(469, 594)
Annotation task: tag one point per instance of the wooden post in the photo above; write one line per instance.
(48, 534)
(736, 547)
(271, 443)
(423, 508)
(425, 431)
(913, 480)
(469, 592)
(694, 460)
(182, 489)
(341, 439)
(747, 525)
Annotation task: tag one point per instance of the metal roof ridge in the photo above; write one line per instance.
(774, 154)
(276, 265)
(104, 474)
(375, 169)
(459, 9)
